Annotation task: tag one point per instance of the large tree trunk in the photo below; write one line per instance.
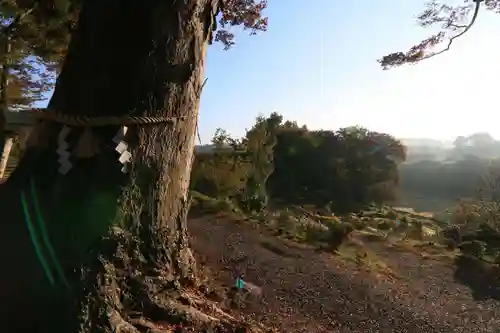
(127, 231)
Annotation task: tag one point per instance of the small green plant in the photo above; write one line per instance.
(416, 230)
(251, 203)
(287, 223)
(357, 222)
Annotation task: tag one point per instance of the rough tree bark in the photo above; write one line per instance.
(127, 57)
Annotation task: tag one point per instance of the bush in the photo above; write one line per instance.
(359, 223)
(219, 174)
(206, 204)
(483, 239)
(474, 248)
(402, 224)
(337, 234)
(453, 234)
(385, 225)
(287, 223)
(392, 215)
(251, 204)
(314, 232)
(450, 244)
(416, 230)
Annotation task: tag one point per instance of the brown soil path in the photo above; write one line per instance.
(308, 291)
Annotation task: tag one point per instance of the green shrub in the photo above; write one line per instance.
(287, 223)
(338, 233)
(385, 225)
(416, 230)
(392, 215)
(314, 233)
(357, 222)
(405, 219)
(473, 248)
(453, 234)
(206, 204)
(251, 203)
(450, 244)
(402, 224)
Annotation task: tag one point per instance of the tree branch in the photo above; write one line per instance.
(466, 28)
(416, 53)
(7, 34)
(8, 30)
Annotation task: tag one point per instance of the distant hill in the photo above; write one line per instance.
(427, 142)
(477, 145)
(204, 148)
(210, 149)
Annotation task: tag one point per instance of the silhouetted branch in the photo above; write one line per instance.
(465, 27)
(428, 18)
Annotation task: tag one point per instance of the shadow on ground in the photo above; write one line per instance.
(482, 278)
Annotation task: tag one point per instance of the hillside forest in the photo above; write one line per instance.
(345, 170)
(280, 163)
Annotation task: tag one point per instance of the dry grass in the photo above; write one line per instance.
(424, 249)
(355, 251)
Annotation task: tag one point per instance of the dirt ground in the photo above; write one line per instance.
(304, 290)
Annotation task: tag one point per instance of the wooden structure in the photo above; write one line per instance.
(19, 124)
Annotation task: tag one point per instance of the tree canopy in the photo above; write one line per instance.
(346, 169)
(39, 32)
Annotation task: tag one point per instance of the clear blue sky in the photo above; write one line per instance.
(282, 69)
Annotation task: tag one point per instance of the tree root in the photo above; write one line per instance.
(116, 297)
